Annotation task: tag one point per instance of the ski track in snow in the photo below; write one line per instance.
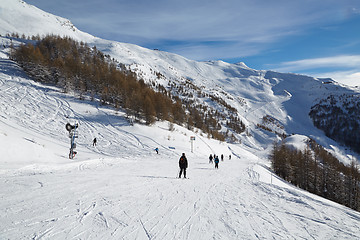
(211, 206)
(122, 190)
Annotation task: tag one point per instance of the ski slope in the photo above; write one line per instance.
(122, 189)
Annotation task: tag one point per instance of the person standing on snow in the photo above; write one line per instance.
(216, 160)
(94, 142)
(210, 158)
(183, 164)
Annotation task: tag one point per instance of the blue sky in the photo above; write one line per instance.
(320, 38)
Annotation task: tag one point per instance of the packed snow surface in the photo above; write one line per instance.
(122, 189)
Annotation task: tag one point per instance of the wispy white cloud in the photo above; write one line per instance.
(253, 21)
(245, 21)
(248, 26)
(350, 78)
(355, 10)
(348, 68)
(343, 61)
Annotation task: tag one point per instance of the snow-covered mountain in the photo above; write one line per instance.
(20, 17)
(255, 94)
(122, 189)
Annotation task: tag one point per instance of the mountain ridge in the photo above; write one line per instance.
(247, 90)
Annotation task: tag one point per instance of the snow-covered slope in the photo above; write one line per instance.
(19, 17)
(122, 189)
(255, 94)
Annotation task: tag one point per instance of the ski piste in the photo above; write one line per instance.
(72, 135)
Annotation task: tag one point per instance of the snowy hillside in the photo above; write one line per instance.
(19, 17)
(122, 189)
(255, 94)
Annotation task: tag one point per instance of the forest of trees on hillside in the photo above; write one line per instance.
(339, 118)
(214, 119)
(314, 169)
(75, 66)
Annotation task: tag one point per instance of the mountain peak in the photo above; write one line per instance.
(241, 64)
(20, 17)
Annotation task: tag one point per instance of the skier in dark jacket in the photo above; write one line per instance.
(216, 160)
(183, 164)
(210, 158)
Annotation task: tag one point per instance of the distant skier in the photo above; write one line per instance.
(210, 158)
(183, 164)
(229, 156)
(222, 157)
(216, 160)
(157, 150)
(94, 142)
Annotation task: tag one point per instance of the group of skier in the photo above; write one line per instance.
(183, 163)
(216, 159)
